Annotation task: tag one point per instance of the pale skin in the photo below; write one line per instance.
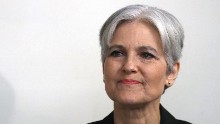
(135, 73)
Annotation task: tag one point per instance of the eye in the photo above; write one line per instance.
(116, 53)
(147, 55)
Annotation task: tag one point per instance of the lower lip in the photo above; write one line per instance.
(129, 82)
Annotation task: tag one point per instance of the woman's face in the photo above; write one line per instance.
(135, 66)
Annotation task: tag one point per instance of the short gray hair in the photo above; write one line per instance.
(169, 28)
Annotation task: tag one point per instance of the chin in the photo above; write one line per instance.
(129, 104)
(134, 100)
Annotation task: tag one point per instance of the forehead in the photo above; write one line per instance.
(136, 33)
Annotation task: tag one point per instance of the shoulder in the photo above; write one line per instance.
(182, 122)
(167, 118)
(96, 122)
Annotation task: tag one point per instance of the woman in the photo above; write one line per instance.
(141, 47)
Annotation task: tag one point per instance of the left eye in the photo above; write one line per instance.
(116, 53)
(147, 55)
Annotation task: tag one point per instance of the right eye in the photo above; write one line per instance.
(116, 53)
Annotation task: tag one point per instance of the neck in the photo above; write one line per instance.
(142, 114)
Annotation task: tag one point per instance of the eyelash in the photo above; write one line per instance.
(116, 53)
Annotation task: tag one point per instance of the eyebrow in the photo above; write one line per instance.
(116, 46)
(140, 48)
(148, 48)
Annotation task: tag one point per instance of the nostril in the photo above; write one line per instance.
(129, 69)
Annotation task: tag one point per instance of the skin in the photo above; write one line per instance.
(135, 73)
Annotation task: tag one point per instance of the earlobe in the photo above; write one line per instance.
(169, 84)
(173, 75)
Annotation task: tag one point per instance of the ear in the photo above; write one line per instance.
(173, 75)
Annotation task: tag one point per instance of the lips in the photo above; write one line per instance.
(129, 81)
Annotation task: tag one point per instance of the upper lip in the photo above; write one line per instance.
(129, 81)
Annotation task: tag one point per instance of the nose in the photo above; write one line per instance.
(130, 65)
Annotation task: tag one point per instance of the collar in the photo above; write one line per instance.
(166, 117)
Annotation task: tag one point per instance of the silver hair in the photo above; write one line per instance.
(169, 28)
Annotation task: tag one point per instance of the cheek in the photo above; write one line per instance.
(110, 69)
(106, 70)
(109, 78)
(155, 75)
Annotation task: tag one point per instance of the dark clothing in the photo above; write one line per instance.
(166, 118)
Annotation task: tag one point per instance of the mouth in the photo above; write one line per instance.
(129, 81)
